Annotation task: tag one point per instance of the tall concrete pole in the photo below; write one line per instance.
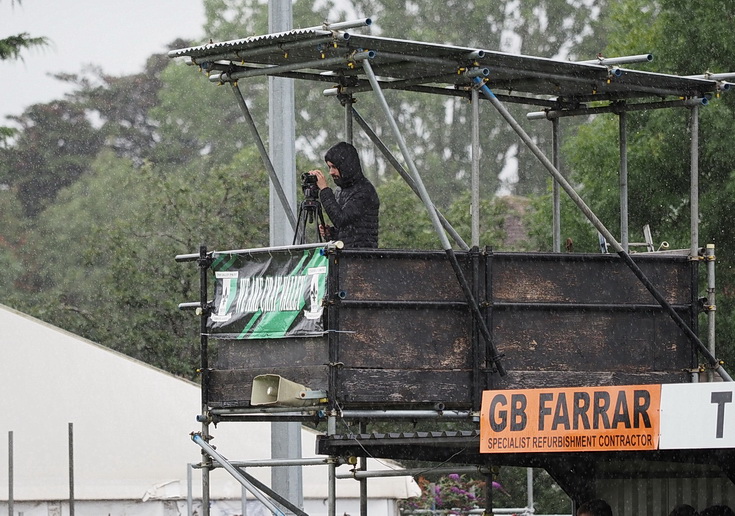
(285, 437)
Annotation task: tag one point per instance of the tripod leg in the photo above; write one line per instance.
(320, 222)
(300, 236)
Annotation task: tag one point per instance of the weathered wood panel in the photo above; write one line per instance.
(232, 387)
(524, 379)
(601, 279)
(244, 354)
(404, 338)
(590, 340)
(400, 276)
(382, 387)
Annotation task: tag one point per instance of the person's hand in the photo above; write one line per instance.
(326, 232)
(321, 181)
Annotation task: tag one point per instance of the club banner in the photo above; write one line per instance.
(268, 295)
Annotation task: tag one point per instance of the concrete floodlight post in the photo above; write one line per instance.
(285, 436)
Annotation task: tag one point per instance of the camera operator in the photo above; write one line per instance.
(353, 208)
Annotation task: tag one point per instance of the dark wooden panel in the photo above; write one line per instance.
(405, 338)
(587, 279)
(400, 386)
(243, 354)
(520, 379)
(404, 332)
(232, 387)
(406, 276)
(590, 341)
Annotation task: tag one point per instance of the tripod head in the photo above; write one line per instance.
(310, 210)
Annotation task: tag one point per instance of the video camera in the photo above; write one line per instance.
(308, 186)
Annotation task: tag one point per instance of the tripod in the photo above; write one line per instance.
(310, 211)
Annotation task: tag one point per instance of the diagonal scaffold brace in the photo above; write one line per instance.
(256, 487)
(434, 217)
(599, 226)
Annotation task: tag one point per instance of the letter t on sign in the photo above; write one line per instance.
(720, 398)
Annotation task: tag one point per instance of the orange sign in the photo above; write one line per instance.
(621, 418)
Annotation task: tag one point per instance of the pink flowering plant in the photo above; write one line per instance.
(454, 493)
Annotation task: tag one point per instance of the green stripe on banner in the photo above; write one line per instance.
(276, 324)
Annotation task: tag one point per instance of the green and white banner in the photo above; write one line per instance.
(269, 295)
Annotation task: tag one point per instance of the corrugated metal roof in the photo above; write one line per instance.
(325, 56)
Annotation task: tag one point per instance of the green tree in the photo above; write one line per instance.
(440, 136)
(111, 276)
(55, 145)
(12, 46)
(659, 145)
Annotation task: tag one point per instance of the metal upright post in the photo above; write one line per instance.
(694, 187)
(475, 191)
(363, 481)
(71, 469)
(624, 238)
(11, 500)
(488, 494)
(347, 102)
(529, 488)
(203, 263)
(555, 193)
(243, 501)
(711, 306)
(189, 494)
(332, 480)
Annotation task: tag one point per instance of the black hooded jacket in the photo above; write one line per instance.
(353, 208)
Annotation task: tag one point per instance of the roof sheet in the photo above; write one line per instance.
(325, 56)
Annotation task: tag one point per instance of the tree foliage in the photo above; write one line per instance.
(12, 46)
(659, 145)
(55, 145)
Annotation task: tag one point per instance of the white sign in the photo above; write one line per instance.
(697, 415)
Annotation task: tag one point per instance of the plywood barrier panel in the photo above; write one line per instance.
(400, 276)
(396, 338)
(384, 387)
(590, 340)
(578, 278)
(525, 379)
(232, 387)
(258, 353)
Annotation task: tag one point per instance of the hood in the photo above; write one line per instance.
(344, 156)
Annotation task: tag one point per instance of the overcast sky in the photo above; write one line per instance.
(118, 36)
